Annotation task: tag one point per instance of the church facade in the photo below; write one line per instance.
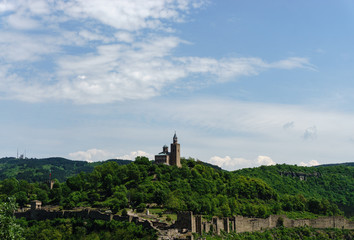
(172, 158)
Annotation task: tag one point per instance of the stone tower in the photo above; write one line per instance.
(175, 154)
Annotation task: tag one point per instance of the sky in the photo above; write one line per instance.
(243, 83)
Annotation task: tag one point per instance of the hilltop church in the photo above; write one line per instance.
(170, 158)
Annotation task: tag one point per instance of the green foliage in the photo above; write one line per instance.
(307, 233)
(9, 229)
(256, 192)
(36, 170)
(324, 187)
(72, 229)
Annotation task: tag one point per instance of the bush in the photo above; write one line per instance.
(141, 207)
(280, 222)
(124, 212)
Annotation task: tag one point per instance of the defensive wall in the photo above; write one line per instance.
(186, 220)
(43, 214)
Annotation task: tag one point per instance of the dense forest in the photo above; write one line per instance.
(334, 183)
(37, 170)
(298, 192)
(306, 233)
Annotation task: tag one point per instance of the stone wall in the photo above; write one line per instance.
(186, 220)
(42, 214)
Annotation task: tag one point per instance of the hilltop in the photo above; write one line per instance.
(120, 186)
(196, 186)
(37, 170)
(333, 182)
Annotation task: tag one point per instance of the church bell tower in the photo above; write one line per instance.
(175, 154)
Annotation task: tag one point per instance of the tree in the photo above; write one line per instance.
(9, 229)
(142, 160)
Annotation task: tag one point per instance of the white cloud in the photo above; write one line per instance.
(265, 160)
(250, 129)
(91, 155)
(118, 64)
(229, 163)
(7, 6)
(133, 155)
(294, 62)
(124, 37)
(229, 68)
(310, 163)
(21, 22)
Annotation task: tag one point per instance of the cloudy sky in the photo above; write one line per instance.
(244, 83)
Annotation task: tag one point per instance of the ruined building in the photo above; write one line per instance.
(172, 158)
(196, 224)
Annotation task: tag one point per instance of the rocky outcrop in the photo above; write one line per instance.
(302, 176)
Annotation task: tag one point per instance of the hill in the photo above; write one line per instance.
(37, 170)
(334, 183)
(198, 187)
(337, 164)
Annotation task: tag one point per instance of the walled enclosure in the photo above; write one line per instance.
(186, 220)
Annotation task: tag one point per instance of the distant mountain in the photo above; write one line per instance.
(337, 164)
(36, 170)
(210, 165)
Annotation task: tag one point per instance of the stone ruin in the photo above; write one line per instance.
(188, 223)
(196, 224)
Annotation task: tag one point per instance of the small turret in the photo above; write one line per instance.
(165, 149)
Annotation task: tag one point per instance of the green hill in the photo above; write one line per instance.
(37, 170)
(198, 187)
(334, 183)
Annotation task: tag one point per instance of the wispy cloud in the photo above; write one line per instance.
(98, 52)
(310, 133)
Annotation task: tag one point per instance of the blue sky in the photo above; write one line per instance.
(244, 83)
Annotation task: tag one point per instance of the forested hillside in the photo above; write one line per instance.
(334, 183)
(37, 170)
(196, 187)
(298, 192)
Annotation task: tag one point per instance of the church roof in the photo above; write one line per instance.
(163, 153)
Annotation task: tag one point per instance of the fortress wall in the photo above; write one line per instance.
(341, 222)
(26, 214)
(232, 224)
(185, 220)
(298, 223)
(206, 227)
(198, 224)
(350, 225)
(218, 225)
(40, 214)
(245, 224)
(226, 225)
(100, 216)
(122, 218)
(323, 222)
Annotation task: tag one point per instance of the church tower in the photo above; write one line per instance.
(175, 154)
